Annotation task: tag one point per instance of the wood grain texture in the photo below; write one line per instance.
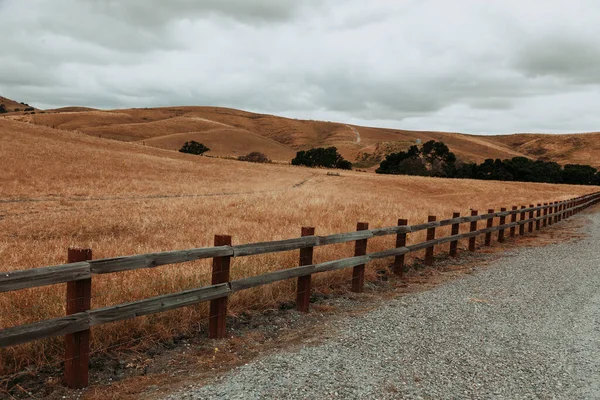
(151, 260)
(22, 279)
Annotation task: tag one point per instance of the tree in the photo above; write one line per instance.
(439, 158)
(577, 174)
(194, 147)
(256, 157)
(404, 163)
(3, 109)
(401, 162)
(321, 157)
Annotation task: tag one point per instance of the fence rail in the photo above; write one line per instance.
(78, 273)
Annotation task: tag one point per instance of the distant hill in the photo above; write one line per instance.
(11, 105)
(230, 132)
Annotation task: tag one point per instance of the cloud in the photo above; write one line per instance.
(573, 58)
(471, 66)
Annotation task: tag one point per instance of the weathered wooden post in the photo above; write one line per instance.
(513, 218)
(522, 225)
(217, 323)
(545, 219)
(400, 242)
(455, 230)
(303, 285)
(560, 211)
(550, 212)
(530, 219)
(556, 206)
(77, 345)
(502, 222)
(360, 249)
(473, 228)
(430, 236)
(489, 224)
(538, 214)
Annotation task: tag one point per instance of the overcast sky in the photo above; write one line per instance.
(466, 66)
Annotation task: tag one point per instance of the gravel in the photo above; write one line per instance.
(526, 327)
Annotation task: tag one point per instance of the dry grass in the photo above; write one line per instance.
(62, 189)
(281, 137)
(564, 149)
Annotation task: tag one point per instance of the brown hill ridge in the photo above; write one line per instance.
(230, 132)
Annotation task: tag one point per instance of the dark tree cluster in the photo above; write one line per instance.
(321, 157)
(255, 156)
(432, 159)
(194, 147)
(3, 109)
(435, 159)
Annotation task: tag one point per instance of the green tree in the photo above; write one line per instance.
(321, 157)
(194, 147)
(577, 174)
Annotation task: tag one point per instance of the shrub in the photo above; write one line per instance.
(29, 109)
(321, 157)
(2, 109)
(194, 147)
(255, 156)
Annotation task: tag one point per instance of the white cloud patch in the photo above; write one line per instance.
(469, 66)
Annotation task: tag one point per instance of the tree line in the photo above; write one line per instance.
(436, 159)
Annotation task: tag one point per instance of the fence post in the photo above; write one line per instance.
(217, 323)
(489, 224)
(513, 218)
(556, 212)
(454, 231)
(550, 212)
(400, 242)
(522, 226)
(560, 212)
(77, 345)
(571, 205)
(360, 249)
(545, 219)
(538, 214)
(531, 219)
(502, 222)
(430, 236)
(473, 228)
(303, 285)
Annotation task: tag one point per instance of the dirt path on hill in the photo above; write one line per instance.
(527, 327)
(356, 132)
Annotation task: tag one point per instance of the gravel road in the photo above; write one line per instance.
(526, 327)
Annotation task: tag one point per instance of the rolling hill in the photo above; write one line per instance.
(11, 105)
(230, 132)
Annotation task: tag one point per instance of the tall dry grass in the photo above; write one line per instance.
(120, 199)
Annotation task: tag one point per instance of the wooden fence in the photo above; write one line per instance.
(75, 326)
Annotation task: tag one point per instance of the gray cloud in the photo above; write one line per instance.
(574, 58)
(471, 66)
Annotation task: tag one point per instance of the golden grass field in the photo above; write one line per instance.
(62, 188)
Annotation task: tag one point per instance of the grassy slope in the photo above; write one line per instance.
(230, 132)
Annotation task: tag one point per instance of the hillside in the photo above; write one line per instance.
(582, 148)
(12, 105)
(230, 132)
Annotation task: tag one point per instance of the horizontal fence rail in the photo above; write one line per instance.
(82, 319)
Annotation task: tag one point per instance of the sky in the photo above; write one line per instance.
(473, 66)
